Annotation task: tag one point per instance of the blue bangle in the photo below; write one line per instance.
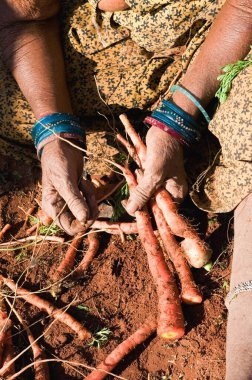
(175, 118)
(193, 99)
(55, 124)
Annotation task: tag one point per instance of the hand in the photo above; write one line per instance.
(65, 195)
(163, 165)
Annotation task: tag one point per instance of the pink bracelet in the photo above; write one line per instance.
(156, 123)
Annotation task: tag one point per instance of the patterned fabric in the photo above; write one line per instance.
(124, 60)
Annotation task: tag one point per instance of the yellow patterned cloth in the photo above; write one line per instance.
(127, 60)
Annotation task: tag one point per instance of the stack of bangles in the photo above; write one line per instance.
(55, 126)
(176, 122)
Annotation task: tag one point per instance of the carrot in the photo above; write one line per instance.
(126, 228)
(197, 252)
(38, 238)
(67, 263)
(5, 325)
(131, 150)
(46, 306)
(170, 319)
(189, 291)
(8, 355)
(4, 230)
(32, 229)
(28, 214)
(123, 349)
(93, 246)
(45, 219)
(41, 369)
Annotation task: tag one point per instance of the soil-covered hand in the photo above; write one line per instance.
(65, 195)
(163, 165)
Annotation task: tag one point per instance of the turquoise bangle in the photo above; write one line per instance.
(193, 99)
(55, 124)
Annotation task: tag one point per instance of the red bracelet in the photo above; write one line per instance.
(156, 123)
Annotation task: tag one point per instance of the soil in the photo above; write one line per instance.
(117, 293)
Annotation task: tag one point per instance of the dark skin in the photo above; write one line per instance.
(31, 48)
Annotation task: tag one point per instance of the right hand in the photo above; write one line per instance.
(163, 166)
(66, 197)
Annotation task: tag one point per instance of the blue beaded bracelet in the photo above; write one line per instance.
(56, 124)
(181, 122)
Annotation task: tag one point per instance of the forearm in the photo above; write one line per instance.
(31, 49)
(228, 40)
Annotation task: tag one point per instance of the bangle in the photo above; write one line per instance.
(57, 124)
(173, 120)
(156, 123)
(193, 99)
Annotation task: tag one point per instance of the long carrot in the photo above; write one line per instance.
(123, 349)
(197, 252)
(41, 369)
(46, 306)
(189, 292)
(170, 319)
(126, 228)
(67, 263)
(8, 355)
(93, 246)
(4, 230)
(5, 325)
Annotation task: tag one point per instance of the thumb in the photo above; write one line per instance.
(142, 193)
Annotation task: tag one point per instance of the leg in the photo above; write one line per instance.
(239, 329)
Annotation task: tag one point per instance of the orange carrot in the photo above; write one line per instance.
(170, 319)
(126, 228)
(45, 219)
(123, 349)
(5, 325)
(197, 252)
(131, 150)
(189, 291)
(4, 230)
(93, 246)
(32, 229)
(28, 214)
(67, 263)
(8, 355)
(46, 306)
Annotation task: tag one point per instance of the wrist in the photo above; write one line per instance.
(57, 126)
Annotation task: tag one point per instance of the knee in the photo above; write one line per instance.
(28, 10)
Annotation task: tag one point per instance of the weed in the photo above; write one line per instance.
(100, 338)
(120, 195)
(45, 230)
(225, 285)
(226, 79)
(84, 308)
(22, 255)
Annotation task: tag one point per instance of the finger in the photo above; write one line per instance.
(55, 207)
(75, 201)
(142, 193)
(88, 191)
(178, 188)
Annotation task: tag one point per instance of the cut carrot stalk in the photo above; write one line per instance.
(4, 230)
(190, 294)
(123, 349)
(170, 319)
(93, 246)
(46, 306)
